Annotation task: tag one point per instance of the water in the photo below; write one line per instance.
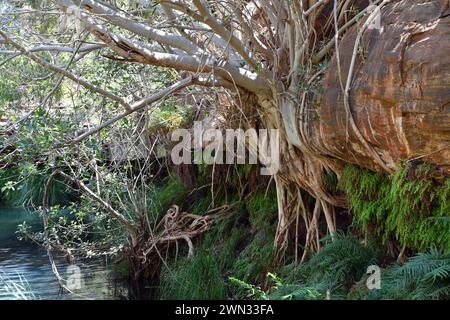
(26, 264)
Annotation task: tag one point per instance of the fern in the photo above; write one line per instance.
(408, 209)
(333, 269)
(425, 276)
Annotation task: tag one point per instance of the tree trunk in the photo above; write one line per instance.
(398, 107)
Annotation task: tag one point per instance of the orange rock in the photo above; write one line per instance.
(400, 93)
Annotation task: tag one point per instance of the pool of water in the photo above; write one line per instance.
(25, 271)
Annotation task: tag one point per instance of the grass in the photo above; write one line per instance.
(240, 245)
(198, 278)
(20, 188)
(18, 288)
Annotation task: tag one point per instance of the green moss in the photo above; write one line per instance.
(400, 206)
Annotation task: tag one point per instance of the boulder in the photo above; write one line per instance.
(400, 93)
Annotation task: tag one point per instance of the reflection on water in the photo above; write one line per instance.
(27, 265)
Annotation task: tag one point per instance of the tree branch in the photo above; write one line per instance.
(63, 72)
(134, 107)
(58, 48)
(140, 29)
(131, 50)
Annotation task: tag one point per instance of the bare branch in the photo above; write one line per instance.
(140, 29)
(134, 107)
(58, 48)
(134, 51)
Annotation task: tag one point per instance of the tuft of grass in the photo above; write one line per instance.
(169, 192)
(255, 260)
(198, 278)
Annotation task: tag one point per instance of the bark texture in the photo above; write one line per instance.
(400, 94)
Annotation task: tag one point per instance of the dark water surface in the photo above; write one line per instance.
(25, 271)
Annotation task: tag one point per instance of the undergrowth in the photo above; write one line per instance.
(333, 269)
(425, 276)
(338, 271)
(239, 245)
(407, 208)
(25, 187)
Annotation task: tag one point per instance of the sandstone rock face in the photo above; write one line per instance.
(400, 93)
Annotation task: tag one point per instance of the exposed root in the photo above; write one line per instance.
(182, 226)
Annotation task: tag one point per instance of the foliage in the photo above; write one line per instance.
(241, 246)
(171, 115)
(297, 292)
(424, 276)
(163, 195)
(198, 278)
(203, 276)
(279, 291)
(342, 265)
(24, 186)
(255, 260)
(251, 291)
(339, 263)
(333, 269)
(401, 206)
(228, 249)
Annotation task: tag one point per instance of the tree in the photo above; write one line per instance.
(273, 55)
